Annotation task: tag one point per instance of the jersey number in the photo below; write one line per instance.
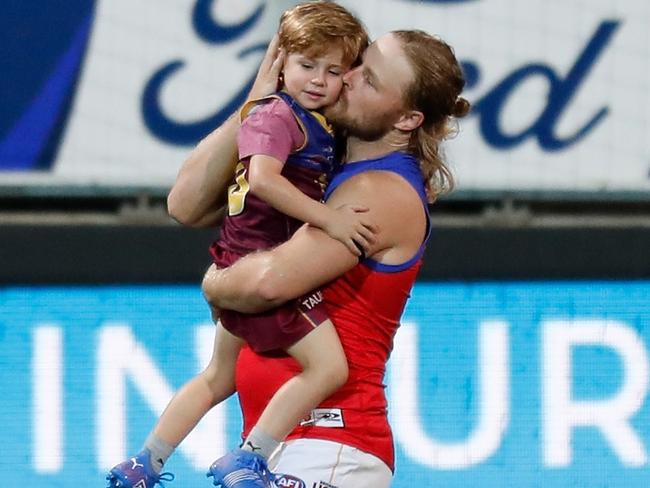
(237, 192)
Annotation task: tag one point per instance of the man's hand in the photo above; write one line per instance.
(211, 274)
(268, 75)
(216, 313)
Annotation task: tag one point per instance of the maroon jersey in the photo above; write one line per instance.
(252, 224)
(284, 130)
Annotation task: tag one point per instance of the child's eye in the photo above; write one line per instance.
(306, 65)
(335, 72)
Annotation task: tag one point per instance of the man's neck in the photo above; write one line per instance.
(359, 150)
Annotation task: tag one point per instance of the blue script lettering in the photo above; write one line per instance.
(167, 129)
(210, 30)
(490, 107)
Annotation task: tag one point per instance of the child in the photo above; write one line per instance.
(286, 154)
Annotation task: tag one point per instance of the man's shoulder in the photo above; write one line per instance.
(394, 206)
(378, 185)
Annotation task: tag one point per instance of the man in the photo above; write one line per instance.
(395, 109)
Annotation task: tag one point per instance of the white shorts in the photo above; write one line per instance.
(327, 464)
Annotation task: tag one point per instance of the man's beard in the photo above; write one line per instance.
(366, 129)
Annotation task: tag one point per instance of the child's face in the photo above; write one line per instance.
(314, 81)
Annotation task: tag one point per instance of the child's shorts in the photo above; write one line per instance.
(278, 328)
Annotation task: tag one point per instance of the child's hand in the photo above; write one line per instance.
(350, 225)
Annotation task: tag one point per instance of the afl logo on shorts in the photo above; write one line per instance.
(288, 481)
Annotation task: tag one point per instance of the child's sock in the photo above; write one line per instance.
(260, 443)
(160, 451)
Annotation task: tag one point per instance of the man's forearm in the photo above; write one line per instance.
(199, 191)
(239, 288)
(263, 280)
(200, 188)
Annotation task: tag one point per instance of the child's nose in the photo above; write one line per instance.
(318, 79)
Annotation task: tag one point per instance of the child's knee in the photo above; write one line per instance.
(218, 379)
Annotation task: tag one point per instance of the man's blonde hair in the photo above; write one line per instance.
(313, 28)
(435, 91)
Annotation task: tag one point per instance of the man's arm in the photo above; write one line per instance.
(311, 258)
(199, 193)
(263, 280)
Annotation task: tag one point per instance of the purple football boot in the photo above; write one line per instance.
(136, 473)
(241, 469)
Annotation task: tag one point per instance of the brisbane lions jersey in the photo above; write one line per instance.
(251, 223)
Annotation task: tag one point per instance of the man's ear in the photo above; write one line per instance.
(410, 120)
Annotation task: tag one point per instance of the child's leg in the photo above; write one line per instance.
(196, 398)
(325, 369)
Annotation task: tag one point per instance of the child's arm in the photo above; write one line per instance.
(347, 224)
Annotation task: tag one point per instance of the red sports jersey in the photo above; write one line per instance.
(365, 305)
